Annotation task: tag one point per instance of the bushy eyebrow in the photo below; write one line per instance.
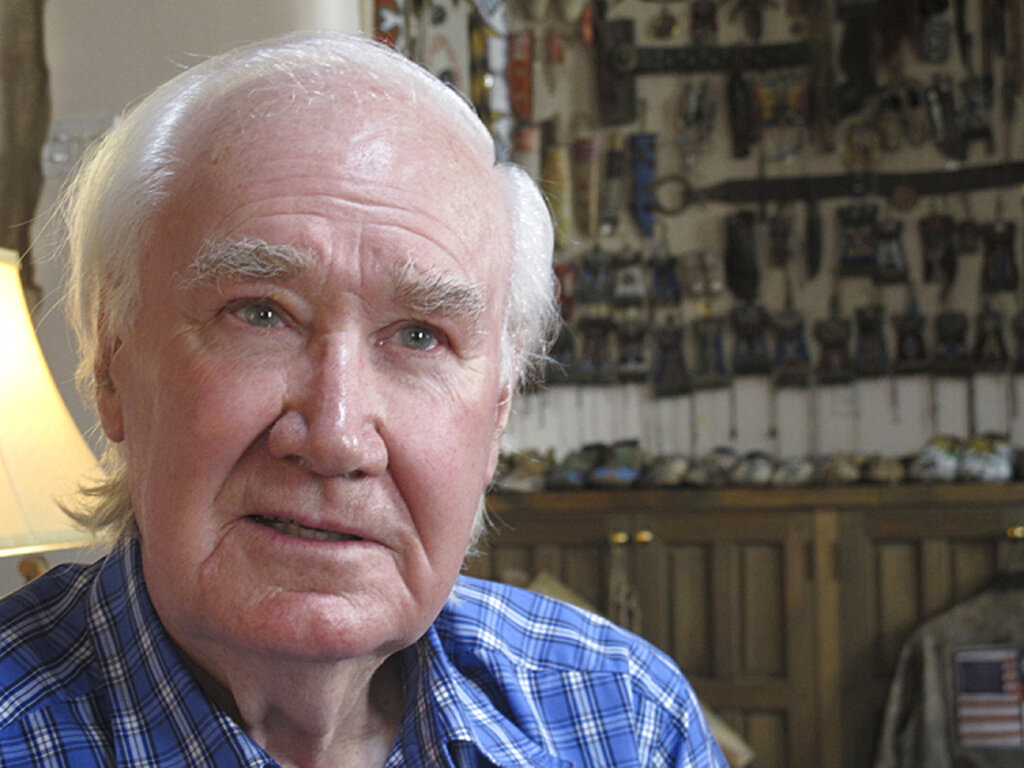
(248, 259)
(428, 292)
(438, 293)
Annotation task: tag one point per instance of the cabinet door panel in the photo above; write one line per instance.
(690, 630)
(763, 629)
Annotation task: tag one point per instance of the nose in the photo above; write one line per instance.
(333, 413)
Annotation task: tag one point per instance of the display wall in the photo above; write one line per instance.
(852, 165)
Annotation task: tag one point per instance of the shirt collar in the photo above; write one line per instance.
(451, 718)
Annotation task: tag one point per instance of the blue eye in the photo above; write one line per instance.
(261, 315)
(418, 337)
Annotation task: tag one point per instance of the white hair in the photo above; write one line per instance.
(110, 203)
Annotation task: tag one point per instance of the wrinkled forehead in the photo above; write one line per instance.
(392, 134)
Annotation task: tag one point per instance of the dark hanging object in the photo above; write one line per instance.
(951, 354)
(743, 121)
(833, 335)
(750, 355)
(872, 354)
(891, 261)
(710, 369)
(896, 22)
(990, 354)
(670, 373)
(938, 249)
(1018, 339)
(812, 238)
(742, 275)
(857, 59)
(911, 353)
(596, 365)
(792, 360)
(666, 289)
(858, 253)
(643, 158)
(999, 269)
(631, 337)
(780, 230)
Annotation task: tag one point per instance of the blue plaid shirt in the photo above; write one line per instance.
(504, 677)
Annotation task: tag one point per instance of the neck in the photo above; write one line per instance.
(318, 715)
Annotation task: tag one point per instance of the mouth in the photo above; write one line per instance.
(292, 528)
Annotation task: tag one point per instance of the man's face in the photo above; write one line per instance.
(307, 447)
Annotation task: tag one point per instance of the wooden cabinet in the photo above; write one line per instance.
(785, 608)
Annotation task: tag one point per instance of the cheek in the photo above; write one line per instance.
(440, 458)
(196, 428)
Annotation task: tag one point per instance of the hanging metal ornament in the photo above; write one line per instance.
(858, 251)
(695, 119)
(631, 341)
(666, 289)
(710, 369)
(990, 352)
(629, 283)
(792, 363)
(594, 278)
(613, 188)
(891, 260)
(596, 364)
(911, 353)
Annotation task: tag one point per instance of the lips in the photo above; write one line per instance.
(292, 528)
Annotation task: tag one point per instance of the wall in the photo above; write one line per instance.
(885, 415)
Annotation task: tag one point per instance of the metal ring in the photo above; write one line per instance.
(685, 194)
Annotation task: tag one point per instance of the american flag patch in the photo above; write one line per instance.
(989, 700)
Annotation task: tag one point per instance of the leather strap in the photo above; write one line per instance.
(673, 193)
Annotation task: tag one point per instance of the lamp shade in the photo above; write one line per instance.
(43, 456)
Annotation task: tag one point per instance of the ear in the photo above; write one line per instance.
(502, 411)
(108, 399)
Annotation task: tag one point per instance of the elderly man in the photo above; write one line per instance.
(305, 293)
